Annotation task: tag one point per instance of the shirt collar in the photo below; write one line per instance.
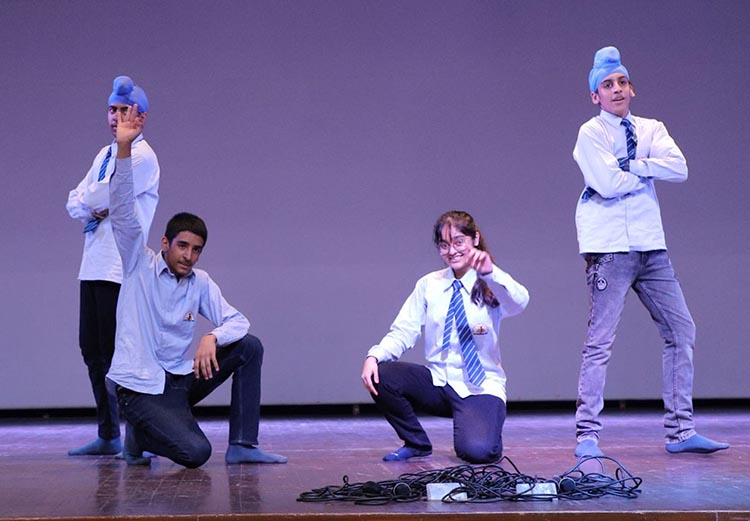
(467, 281)
(162, 267)
(615, 120)
(162, 264)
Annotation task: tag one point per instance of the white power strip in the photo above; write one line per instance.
(437, 491)
(541, 489)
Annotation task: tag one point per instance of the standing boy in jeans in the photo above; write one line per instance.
(621, 237)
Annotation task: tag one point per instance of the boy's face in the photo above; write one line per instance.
(112, 111)
(182, 253)
(613, 94)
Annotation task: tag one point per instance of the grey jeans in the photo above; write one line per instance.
(650, 274)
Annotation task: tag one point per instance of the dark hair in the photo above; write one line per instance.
(186, 222)
(462, 221)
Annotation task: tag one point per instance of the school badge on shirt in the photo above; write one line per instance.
(480, 329)
(189, 317)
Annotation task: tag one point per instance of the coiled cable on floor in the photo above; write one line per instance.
(486, 484)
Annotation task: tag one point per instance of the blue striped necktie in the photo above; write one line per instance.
(457, 315)
(631, 141)
(93, 223)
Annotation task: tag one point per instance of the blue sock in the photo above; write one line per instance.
(697, 444)
(145, 454)
(98, 447)
(241, 454)
(404, 453)
(588, 447)
(132, 451)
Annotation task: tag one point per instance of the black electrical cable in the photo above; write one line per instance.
(486, 484)
(588, 485)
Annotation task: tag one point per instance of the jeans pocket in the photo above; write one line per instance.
(124, 395)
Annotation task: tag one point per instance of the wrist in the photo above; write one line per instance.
(123, 149)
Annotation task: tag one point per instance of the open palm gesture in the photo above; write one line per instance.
(129, 125)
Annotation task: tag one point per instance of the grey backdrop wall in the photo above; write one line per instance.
(320, 140)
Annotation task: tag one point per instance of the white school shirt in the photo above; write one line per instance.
(624, 213)
(101, 260)
(427, 307)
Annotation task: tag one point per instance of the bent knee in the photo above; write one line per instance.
(397, 371)
(251, 345)
(479, 453)
(391, 378)
(194, 455)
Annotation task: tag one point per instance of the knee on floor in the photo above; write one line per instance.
(474, 452)
(195, 455)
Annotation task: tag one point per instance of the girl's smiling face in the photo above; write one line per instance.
(455, 248)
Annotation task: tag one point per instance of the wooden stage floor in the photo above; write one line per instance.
(39, 481)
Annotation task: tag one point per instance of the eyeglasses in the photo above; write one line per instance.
(459, 243)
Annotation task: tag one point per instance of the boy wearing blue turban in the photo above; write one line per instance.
(620, 235)
(101, 268)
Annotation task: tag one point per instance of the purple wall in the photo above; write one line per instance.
(321, 139)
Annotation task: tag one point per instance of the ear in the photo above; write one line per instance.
(476, 239)
(632, 91)
(164, 244)
(595, 98)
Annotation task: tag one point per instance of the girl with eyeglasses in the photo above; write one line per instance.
(459, 308)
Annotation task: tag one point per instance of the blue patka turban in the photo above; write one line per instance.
(606, 62)
(126, 92)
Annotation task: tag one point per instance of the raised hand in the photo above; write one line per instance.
(480, 260)
(129, 125)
